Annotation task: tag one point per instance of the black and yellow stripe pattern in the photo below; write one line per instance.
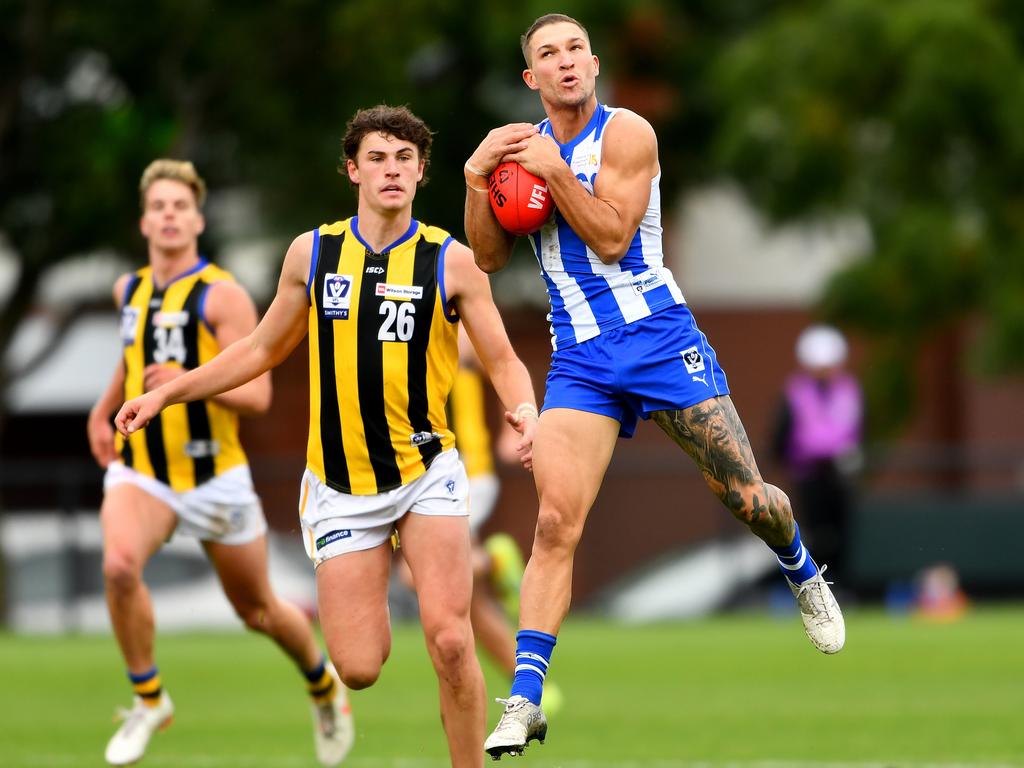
(382, 352)
(467, 416)
(189, 443)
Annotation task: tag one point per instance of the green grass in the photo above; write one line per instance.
(739, 691)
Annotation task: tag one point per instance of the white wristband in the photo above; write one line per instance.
(526, 409)
(474, 170)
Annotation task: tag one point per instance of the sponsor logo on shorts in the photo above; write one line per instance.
(702, 379)
(450, 485)
(333, 536)
(693, 360)
(419, 438)
(337, 296)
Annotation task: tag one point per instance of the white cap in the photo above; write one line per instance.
(821, 346)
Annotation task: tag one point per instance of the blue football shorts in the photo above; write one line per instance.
(660, 363)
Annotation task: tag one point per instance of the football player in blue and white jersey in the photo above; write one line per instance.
(625, 347)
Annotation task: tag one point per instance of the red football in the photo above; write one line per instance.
(520, 201)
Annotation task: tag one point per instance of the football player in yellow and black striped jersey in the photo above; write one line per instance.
(380, 296)
(187, 472)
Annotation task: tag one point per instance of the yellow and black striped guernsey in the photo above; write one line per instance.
(188, 443)
(467, 416)
(383, 348)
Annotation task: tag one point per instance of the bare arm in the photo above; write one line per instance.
(607, 220)
(232, 315)
(492, 245)
(469, 288)
(268, 344)
(97, 426)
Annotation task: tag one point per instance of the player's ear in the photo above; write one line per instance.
(202, 225)
(597, 66)
(353, 170)
(422, 169)
(529, 79)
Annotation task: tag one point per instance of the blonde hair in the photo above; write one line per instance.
(175, 170)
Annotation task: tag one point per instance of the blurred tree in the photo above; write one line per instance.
(910, 114)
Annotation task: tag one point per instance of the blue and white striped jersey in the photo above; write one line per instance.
(589, 297)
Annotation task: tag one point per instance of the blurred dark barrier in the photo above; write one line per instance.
(898, 535)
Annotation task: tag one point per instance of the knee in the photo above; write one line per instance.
(122, 571)
(255, 615)
(556, 531)
(359, 667)
(449, 647)
(358, 674)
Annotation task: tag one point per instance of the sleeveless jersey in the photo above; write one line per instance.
(383, 348)
(588, 297)
(467, 414)
(187, 443)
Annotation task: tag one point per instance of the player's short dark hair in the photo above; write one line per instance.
(543, 21)
(399, 122)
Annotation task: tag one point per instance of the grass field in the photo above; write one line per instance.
(743, 691)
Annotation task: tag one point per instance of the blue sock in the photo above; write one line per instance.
(533, 654)
(795, 560)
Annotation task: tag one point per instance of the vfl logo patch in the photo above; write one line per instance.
(399, 292)
(337, 296)
(129, 325)
(327, 538)
(693, 360)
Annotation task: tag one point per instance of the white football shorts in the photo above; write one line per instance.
(334, 523)
(483, 495)
(224, 509)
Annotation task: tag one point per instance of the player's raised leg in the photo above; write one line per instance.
(567, 444)
(713, 435)
(437, 549)
(135, 525)
(242, 569)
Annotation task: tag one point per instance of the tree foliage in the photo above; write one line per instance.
(910, 114)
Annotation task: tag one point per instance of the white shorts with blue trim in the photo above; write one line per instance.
(659, 363)
(224, 509)
(334, 523)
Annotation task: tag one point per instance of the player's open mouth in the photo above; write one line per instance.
(570, 80)
(392, 188)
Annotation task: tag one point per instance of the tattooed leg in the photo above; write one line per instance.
(713, 435)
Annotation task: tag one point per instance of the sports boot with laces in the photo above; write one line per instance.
(823, 621)
(334, 730)
(128, 745)
(521, 722)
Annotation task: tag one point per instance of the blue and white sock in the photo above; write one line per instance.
(795, 560)
(533, 654)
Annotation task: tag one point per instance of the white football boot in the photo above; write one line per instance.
(520, 723)
(128, 745)
(334, 730)
(823, 621)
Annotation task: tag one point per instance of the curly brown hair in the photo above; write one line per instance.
(399, 122)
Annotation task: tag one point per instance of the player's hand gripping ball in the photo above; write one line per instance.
(521, 201)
